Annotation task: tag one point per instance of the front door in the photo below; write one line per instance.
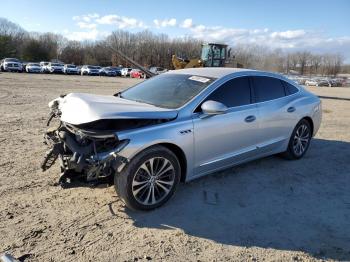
(226, 139)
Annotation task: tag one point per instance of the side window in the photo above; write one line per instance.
(290, 89)
(235, 92)
(268, 88)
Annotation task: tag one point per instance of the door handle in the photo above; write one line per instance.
(249, 119)
(291, 109)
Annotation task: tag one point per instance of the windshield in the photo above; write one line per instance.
(71, 66)
(11, 60)
(206, 52)
(31, 64)
(167, 90)
(54, 64)
(94, 67)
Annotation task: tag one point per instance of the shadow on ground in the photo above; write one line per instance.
(270, 203)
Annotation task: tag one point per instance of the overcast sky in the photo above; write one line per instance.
(319, 26)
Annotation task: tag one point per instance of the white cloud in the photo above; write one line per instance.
(86, 18)
(286, 39)
(165, 22)
(81, 36)
(85, 25)
(91, 22)
(300, 39)
(90, 35)
(120, 21)
(187, 23)
(289, 34)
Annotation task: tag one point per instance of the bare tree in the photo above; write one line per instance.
(303, 60)
(315, 63)
(149, 49)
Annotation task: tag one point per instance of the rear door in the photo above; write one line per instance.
(225, 139)
(276, 111)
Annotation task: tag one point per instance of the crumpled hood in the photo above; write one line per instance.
(81, 108)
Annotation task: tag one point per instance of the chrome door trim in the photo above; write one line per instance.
(237, 153)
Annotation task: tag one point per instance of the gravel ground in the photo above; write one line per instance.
(265, 210)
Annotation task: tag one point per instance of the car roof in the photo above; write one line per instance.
(213, 72)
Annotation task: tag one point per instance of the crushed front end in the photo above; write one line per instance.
(85, 153)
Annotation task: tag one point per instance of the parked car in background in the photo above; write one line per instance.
(11, 65)
(79, 69)
(301, 80)
(33, 68)
(125, 71)
(145, 137)
(107, 71)
(54, 68)
(44, 65)
(137, 73)
(336, 82)
(157, 70)
(347, 82)
(323, 82)
(24, 66)
(118, 70)
(90, 70)
(311, 82)
(293, 78)
(69, 69)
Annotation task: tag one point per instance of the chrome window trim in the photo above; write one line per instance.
(250, 74)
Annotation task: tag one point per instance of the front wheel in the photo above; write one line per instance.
(149, 180)
(299, 141)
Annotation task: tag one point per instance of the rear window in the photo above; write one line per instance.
(290, 89)
(268, 88)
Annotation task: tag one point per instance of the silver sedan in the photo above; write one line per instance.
(179, 126)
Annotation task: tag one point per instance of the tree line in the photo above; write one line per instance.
(151, 49)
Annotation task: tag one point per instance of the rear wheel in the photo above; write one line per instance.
(149, 180)
(299, 141)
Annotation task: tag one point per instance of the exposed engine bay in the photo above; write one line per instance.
(91, 156)
(87, 150)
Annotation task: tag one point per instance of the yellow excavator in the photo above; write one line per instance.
(213, 55)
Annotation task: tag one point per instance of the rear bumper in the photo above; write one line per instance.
(12, 68)
(56, 70)
(73, 72)
(317, 119)
(34, 70)
(110, 73)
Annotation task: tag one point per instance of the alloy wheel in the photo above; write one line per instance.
(301, 139)
(153, 181)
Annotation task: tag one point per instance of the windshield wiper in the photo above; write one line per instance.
(140, 101)
(118, 94)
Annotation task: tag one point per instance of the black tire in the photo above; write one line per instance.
(292, 152)
(123, 181)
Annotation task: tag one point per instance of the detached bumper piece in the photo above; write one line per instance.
(55, 147)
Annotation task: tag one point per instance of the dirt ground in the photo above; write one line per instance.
(266, 210)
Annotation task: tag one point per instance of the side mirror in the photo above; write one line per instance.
(211, 107)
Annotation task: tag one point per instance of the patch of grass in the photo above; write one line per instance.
(326, 111)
